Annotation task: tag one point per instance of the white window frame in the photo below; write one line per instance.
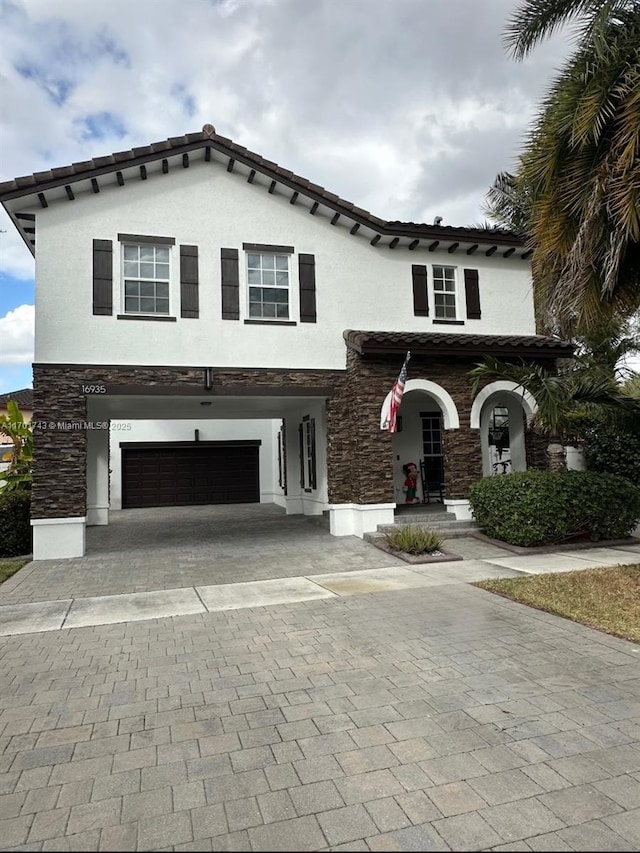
(435, 278)
(146, 244)
(289, 289)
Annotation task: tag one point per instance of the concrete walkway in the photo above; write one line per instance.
(380, 707)
(79, 611)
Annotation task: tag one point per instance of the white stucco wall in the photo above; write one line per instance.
(357, 285)
(209, 430)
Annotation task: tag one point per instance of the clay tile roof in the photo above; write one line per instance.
(24, 398)
(41, 181)
(443, 344)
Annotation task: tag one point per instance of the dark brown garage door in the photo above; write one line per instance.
(180, 476)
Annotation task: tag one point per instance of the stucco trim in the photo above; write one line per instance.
(502, 386)
(450, 417)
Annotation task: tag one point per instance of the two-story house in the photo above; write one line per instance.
(194, 279)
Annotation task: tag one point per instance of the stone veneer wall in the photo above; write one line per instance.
(60, 456)
(59, 488)
(361, 459)
(359, 453)
(536, 449)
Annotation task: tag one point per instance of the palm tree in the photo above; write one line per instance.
(576, 192)
(564, 399)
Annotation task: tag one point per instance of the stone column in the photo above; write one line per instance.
(59, 490)
(359, 456)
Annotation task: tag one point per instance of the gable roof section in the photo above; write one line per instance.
(444, 346)
(137, 164)
(24, 398)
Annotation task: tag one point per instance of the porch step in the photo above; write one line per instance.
(444, 523)
(446, 533)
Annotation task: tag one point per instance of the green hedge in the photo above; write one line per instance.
(542, 508)
(612, 450)
(15, 525)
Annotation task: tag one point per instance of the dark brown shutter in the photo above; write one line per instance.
(189, 305)
(102, 277)
(230, 284)
(313, 454)
(420, 301)
(307, 269)
(472, 293)
(301, 448)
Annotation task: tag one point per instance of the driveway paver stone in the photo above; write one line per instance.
(433, 716)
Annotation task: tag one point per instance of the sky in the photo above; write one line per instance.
(407, 108)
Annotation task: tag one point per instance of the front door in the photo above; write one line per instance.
(432, 453)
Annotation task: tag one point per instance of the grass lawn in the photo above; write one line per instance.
(607, 599)
(10, 567)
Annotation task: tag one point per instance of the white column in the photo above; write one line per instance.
(358, 519)
(58, 538)
(294, 490)
(97, 476)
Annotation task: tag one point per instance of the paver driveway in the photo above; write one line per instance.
(176, 547)
(433, 718)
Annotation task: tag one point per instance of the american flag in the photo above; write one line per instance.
(396, 396)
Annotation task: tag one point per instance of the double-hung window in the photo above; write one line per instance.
(268, 280)
(146, 276)
(444, 293)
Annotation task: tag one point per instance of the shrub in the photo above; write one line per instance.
(413, 540)
(15, 526)
(612, 450)
(544, 508)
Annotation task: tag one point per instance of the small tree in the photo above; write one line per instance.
(20, 456)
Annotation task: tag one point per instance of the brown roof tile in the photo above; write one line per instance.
(41, 181)
(24, 398)
(445, 344)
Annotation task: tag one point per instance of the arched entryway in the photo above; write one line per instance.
(501, 412)
(427, 411)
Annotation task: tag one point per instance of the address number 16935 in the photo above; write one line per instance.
(94, 389)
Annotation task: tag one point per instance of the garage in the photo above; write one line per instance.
(190, 473)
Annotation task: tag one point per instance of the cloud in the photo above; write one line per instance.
(15, 259)
(16, 336)
(386, 104)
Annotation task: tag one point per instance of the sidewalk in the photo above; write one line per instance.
(132, 607)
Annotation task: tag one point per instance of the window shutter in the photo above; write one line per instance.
(102, 277)
(230, 284)
(420, 301)
(313, 453)
(472, 293)
(189, 306)
(301, 437)
(307, 270)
